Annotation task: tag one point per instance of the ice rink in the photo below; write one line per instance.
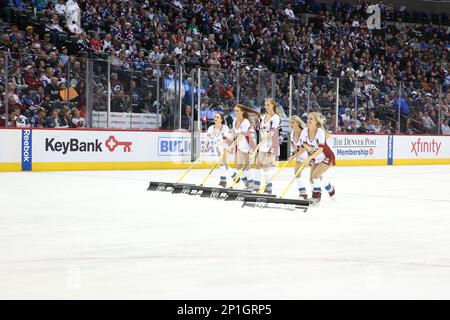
(101, 235)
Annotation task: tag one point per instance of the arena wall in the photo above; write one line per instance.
(93, 149)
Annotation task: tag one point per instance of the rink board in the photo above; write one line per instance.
(93, 149)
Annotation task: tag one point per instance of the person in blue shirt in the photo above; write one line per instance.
(37, 121)
(39, 4)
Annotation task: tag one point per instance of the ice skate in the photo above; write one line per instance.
(332, 195)
(316, 196)
(303, 196)
(223, 184)
(268, 189)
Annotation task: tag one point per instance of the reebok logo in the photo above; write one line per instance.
(425, 147)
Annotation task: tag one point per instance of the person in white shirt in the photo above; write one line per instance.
(269, 146)
(299, 153)
(444, 127)
(288, 12)
(54, 24)
(178, 50)
(216, 138)
(321, 157)
(60, 7)
(156, 56)
(107, 43)
(242, 131)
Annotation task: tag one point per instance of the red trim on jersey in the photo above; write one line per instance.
(330, 158)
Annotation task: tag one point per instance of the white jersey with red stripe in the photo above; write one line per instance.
(318, 141)
(243, 129)
(217, 137)
(302, 156)
(266, 126)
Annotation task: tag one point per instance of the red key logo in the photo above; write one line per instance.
(112, 143)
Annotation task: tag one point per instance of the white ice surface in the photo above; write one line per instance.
(102, 235)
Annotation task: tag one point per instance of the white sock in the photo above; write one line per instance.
(223, 173)
(301, 186)
(316, 185)
(257, 177)
(250, 175)
(268, 174)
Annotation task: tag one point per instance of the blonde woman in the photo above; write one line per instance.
(216, 139)
(270, 147)
(321, 157)
(299, 152)
(242, 131)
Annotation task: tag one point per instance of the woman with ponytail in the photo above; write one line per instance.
(216, 139)
(321, 157)
(270, 146)
(299, 152)
(242, 131)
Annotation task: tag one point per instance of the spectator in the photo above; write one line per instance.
(377, 126)
(64, 117)
(52, 89)
(288, 12)
(96, 44)
(119, 102)
(40, 5)
(135, 97)
(444, 127)
(428, 123)
(63, 57)
(76, 121)
(363, 128)
(60, 7)
(46, 78)
(186, 118)
(30, 78)
(18, 120)
(52, 121)
(37, 121)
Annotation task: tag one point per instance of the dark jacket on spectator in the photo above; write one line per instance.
(51, 123)
(53, 91)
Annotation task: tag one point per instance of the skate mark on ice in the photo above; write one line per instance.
(162, 257)
(392, 197)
